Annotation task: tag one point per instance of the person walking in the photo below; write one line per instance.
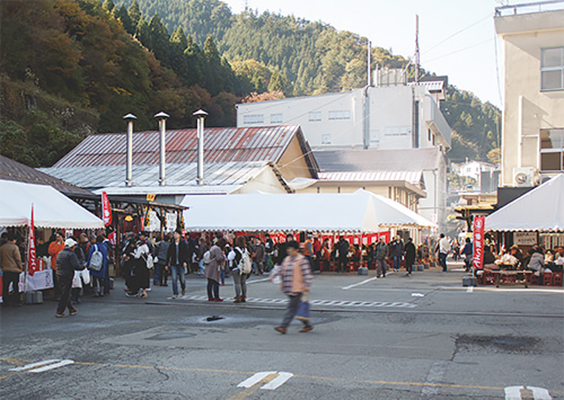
(468, 252)
(142, 279)
(410, 253)
(11, 264)
(259, 256)
(296, 281)
(268, 249)
(98, 264)
(444, 249)
(75, 291)
(161, 269)
(380, 255)
(235, 259)
(178, 258)
(213, 269)
(397, 252)
(342, 248)
(67, 263)
(202, 248)
(55, 247)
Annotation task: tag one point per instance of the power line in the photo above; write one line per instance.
(459, 50)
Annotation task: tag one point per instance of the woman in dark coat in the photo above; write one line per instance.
(410, 253)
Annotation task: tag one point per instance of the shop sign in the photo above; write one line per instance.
(478, 229)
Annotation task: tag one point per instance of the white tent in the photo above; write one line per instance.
(541, 209)
(360, 212)
(52, 209)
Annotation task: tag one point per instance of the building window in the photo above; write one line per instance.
(253, 119)
(339, 114)
(275, 118)
(397, 131)
(552, 68)
(326, 139)
(315, 116)
(552, 150)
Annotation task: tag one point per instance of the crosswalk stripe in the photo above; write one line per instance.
(52, 366)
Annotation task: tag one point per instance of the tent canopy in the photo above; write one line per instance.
(51, 208)
(541, 209)
(361, 212)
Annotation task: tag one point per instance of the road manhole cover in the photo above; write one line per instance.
(171, 336)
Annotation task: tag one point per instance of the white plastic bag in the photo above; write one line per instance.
(76, 280)
(85, 273)
(276, 275)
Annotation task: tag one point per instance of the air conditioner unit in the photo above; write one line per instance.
(524, 176)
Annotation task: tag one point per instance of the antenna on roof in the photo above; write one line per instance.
(368, 83)
(417, 60)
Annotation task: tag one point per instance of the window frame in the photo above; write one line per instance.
(551, 69)
(552, 150)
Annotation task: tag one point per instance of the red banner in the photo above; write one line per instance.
(478, 229)
(33, 266)
(106, 210)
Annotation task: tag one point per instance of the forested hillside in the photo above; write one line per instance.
(73, 67)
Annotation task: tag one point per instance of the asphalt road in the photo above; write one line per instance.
(424, 337)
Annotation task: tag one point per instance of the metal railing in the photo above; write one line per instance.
(529, 8)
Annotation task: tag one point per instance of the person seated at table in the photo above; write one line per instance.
(559, 256)
(517, 253)
(536, 262)
(507, 260)
(489, 258)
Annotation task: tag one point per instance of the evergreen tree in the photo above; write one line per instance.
(122, 15)
(108, 5)
(134, 13)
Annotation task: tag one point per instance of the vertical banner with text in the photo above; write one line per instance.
(32, 265)
(106, 210)
(478, 229)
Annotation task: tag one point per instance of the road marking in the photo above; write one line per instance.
(339, 303)
(278, 381)
(34, 365)
(251, 390)
(256, 378)
(514, 393)
(435, 374)
(257, 280)
(470, 289)
(359, 283)
(60, 364)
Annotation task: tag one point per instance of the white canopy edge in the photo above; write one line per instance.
(52, 209)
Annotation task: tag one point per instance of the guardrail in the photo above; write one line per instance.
(529, 8)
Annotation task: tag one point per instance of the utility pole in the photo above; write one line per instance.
(369, 64)
(417, 60)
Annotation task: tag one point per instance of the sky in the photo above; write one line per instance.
(456, 37)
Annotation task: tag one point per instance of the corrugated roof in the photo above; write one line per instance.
(379, 160)
(221, 145)
(215, 174)
(11, 170)
(413, 177)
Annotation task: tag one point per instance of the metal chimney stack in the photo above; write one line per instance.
(129, 156)
(201, 115)
(162, 117)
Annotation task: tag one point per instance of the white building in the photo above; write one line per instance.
(385, 118)
(399, 120)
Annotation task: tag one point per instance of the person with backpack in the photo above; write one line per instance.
(97, 264)
(241, 266)
(213, 260)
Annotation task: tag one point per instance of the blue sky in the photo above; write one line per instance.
(456, 37)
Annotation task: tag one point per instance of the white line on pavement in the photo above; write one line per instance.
(253, 380)
(359, 283)
(257, 280)
(52, 366)
(34, 365)
(470, 289)
(278, 381)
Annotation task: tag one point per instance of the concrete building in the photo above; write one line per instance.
(394, 117)
(533, 109)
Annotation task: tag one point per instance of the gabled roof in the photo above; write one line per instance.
(180, 178)
(11, 170)
(379, 160)
(221, 145)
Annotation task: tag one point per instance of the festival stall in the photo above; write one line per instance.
(40, 206)
(537, 217)
(356, 213)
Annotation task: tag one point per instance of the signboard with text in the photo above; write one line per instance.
(478, 228)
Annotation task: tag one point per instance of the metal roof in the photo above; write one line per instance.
(413, 177)
(221, 145)
(11, 170)
(177, 175)
(421, 159)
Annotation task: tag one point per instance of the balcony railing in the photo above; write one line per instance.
(529, 8)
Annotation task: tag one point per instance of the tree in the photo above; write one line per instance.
(108, 5)
(134, 13)
(122, 15)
